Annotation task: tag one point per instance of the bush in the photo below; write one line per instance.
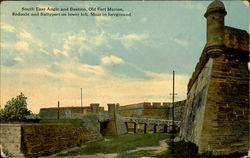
(7, 153)
(181, 149)
(15, 109)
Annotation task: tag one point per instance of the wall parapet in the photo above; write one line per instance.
(234, 40)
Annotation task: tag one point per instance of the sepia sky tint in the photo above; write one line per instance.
(113, 59)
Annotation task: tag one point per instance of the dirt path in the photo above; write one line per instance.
(163, 146)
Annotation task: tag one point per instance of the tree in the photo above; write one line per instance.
(15, 109)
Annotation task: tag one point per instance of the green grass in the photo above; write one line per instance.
(148, 153)
(119, 144)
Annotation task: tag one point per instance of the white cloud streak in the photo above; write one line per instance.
(26, 35)
(183, 43)
(110, 60)
(22, 46)
(130, 39)
(7, 28)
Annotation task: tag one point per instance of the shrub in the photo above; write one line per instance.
(15, 109)
(7, 153)
(181, 149)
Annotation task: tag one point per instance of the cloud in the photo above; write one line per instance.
(130, 39)
(96, 70)
(22, 46)
(181, 42)
(43, 51)
(56, 51)
(8, 28)
(96, 88)
(64, 53)
(6, 45)
(71, 66)
(126, 71)
(98, 39)
(25, 34)
(77, 43)
(109, 60)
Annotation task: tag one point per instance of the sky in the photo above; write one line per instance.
(125, 59)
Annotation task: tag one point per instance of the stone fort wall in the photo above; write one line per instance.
(217, 108)
(115, 125)
(70, 112)
(155, 110)
(30, 140)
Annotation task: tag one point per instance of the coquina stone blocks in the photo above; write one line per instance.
(217, 108)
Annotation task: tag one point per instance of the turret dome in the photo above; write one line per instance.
(216, 4)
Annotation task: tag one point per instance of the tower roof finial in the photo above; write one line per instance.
(215, 6)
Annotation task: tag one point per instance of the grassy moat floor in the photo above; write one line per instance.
(136, 146)
(128, 145)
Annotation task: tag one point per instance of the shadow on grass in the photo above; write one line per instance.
(184, 149)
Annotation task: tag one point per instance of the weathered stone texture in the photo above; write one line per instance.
(227, 107)
(70, 112)
(39, 138)
(156, 110)
(192, 123)
(115, 125)
(36, 139)
(10, 138)
(217, 108)
(132, 110)
(236, 38)
(179, 107)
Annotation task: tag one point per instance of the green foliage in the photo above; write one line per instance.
(181, 149)
(137, 154)
(15, 109)
(7, 153)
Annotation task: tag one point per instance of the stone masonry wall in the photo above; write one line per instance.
(36, 139)
(120, 125)
(133, 110)
(10, 138)
(226, 126)
(217, 108)
(69, 112)
(179, 107)
(155, 110)
(236, 38)
(192, 122)
(39, 138)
